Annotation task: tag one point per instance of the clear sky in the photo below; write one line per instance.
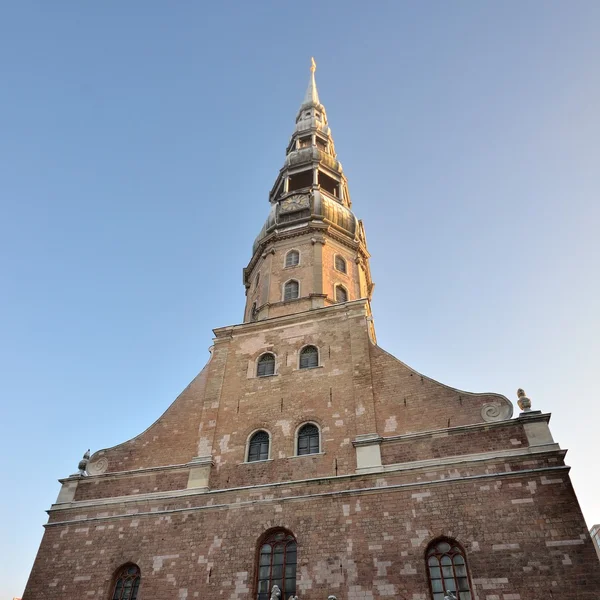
(138, 142)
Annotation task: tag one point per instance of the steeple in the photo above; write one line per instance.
(311, 252)
(311, 97)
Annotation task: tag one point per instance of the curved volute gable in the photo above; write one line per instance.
(171, 440)
(408, 402)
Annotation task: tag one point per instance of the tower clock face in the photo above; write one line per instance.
(295, 202)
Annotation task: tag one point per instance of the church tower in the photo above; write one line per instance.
(311, 252)
(306, 462)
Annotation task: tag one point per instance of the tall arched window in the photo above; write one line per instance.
(309, 357)
(257, 280)
(340, 263)
(341, 295)
(448, 570)
(127, 583)
(258, 448)
(292, 258)
(291, 290)
(308, 439)
(277, 565)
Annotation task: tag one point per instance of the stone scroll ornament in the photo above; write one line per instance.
(98, 466)
(495, 411)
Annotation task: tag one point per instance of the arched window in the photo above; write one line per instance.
(258, 448)
(257, 280)
(277, 565)
(292, 258)
(127, 583)
(309, 357)
(265, 365)
(340, 263)
(448, 570)
(308, 440)
(253, 312)
(291, 290)
(341, 295)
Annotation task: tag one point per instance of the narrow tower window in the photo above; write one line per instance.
(291, 290)
(341, 295)
(309, 357)
(448, 570)
(340, 263)
(257, 280)
(308, 440)
(258, 448)
(127, 583)
(277, 565)
(292, 258)
(265, 365)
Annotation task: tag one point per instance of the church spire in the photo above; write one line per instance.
(311, 252)
(311, 98)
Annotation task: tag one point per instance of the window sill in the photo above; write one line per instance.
(254, 462)
(309, 368)
(307, 455)
(266, 376)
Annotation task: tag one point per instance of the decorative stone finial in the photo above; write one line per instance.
(313, 65)
(524, 402)
(83, 463)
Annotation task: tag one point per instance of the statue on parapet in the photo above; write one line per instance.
(275, 593)
(83, 463)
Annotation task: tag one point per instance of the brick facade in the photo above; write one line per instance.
(402, 461)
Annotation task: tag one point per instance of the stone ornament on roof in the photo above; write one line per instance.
(524, 402)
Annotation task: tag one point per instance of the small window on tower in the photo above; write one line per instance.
(266, 365)
(308, 440)
(309, 357)
(257, 280)
(340, 263)
(341, 295)
(291, 290)
(258, 448)
(292, 258)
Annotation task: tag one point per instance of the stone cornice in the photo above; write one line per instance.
(378, 489)
(465, 428)
(356, 306)
(548, 450)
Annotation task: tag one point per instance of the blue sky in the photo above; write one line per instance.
(138, 144)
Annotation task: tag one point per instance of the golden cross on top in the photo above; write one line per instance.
(313, 65)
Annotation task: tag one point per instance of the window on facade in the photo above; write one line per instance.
(277, 565)
(265, 365)
(309, 357)
(127, 583)
(292, 258)
(448, 571)
(291, 290)
(258, 449)
(257, 280)
(340, 263)
(341, 295)
(308, 439)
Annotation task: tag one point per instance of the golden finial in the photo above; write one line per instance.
(313, 64)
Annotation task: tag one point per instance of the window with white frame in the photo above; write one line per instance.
(292, 258)
(291, 290)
